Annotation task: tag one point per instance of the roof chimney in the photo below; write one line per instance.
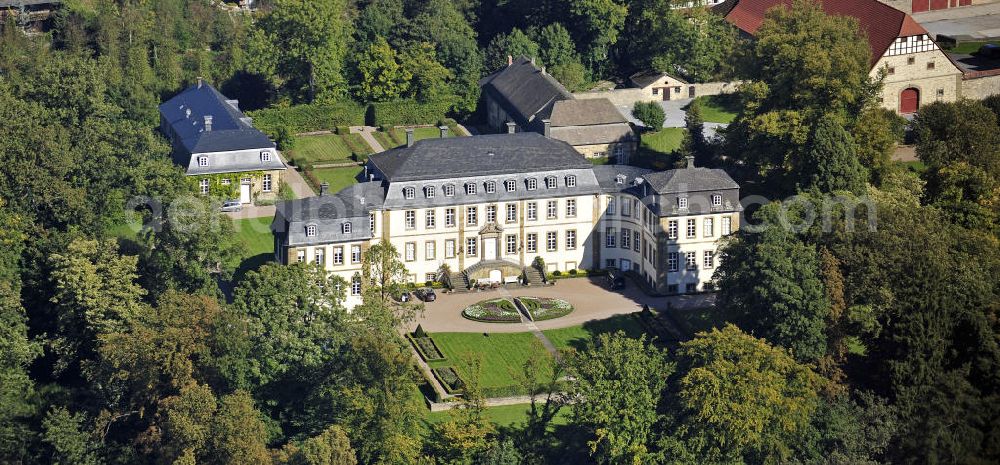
(690, 161)
(543, 69)
(511, 127)
(510, 60)
(324, 188)
(444, 131)
(546, 127)
(409, 137)
(208, 123)
(532, 61)
(200, 81)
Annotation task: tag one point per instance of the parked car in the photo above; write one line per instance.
(989, 51)
(615, 280)
(426, 294)
(404, 296)
(232, 206)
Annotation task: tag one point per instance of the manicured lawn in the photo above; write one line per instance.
(330, 148)
(506, 415)
(692, 321)
(338, 178)
(578, 336)
(719, 108)
(916, 166)
(665, 140)
(396, 137)
(599, 160)
(255, 234)
(968, 47)
(501, 354)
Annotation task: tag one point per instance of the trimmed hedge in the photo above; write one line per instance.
(449, 379)
(308, 117)
(426, 347)
(403, 112)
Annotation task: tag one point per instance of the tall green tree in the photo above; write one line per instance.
(430, 81)
(597, 25)
(619, 382)
(381, 77)
(831, 164)
(71, 442)
(513, 44)
(439, 22)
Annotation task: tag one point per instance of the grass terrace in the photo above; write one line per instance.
(501, 356)
(338, 178)
(968, 47)
(327, 148)
(664, 141)
(396, 137)
(720, 108)
(576, 337)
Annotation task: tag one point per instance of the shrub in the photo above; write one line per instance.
(419, 332)
(557, 273)
(402, 112)
(284, 138)
(308, 117)
(342, 130)
(493, 311)
(427, 349)
(650, 113)
(538, 264)
(449, 378)
(572, 272)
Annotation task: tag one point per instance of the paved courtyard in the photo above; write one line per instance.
(591, 301)
(976, 22)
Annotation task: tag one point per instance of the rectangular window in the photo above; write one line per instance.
(619, 151)
(430, 219)
(471, 244)
(682, 203)
(672, 229)
(511, 244)
(430, 277)
(470, 188)
(636, 237)
(429, 192)
(510, 185)
(691, 287)
(371, 223)
(609, 237)
(692, 227)
(491, 213)
(356, 285)
(320, 257)
(553, 207)
(611, 206)
(626, 238)
(626, 208)
(511, 212)
(449, 248)
(709, 259)
(449, 190)
(672, 261)
(410, 251)
(550, 182)
(570, 181)
(727, 225)
(338, 255)
(449, 217)
(532, 184)
(355, 254)
(471, 216)
(301, 256)
(226, 181)
(708, 228)
(202, 161)
(265, 185)
(691, 260)
(203, 184)
(491, 187)
(571, 240)
(410, 219)
(609, 263)
(571, 208)
(551, 241)
(531, 243)
(532, 211)
(930, 65)
(716, 200)
(430, 252)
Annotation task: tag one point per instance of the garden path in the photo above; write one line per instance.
(366, 134)
(549, 346)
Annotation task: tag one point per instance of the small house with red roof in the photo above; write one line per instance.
(917, 71)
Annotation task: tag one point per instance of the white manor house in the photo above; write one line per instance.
(487, 206)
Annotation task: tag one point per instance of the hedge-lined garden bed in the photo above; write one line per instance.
(426, 347)
(493, 311)
(544, 308)
(449, 379)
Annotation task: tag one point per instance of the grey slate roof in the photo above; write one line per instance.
(607, 176)
(329, 213)
(690, 180)
(587, 135)
(585, 112)
(492, 154)
(524, 91)
(231, 129)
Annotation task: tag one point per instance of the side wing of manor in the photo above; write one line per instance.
(485, 207)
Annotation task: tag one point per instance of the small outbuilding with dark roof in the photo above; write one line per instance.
(218, 146)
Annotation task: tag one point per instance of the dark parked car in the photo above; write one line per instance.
(615, 279)
(404, 296)
(989, 51)
(232, 206)
(426, 294)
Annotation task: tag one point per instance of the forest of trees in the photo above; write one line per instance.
(846, 343)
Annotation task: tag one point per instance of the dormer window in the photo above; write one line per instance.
(532, 184)
(470, 188)
(491, 187)
(570, 181)
(682, 203)
(409, 193)
(716, 200)
(550, 182)
(311, 230)
(429, 192)
(346, 228)
(202, 161)
(510, 185)
(265, 156)
(620, 179)
(449, 190)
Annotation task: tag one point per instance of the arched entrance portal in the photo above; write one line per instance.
(909, 100)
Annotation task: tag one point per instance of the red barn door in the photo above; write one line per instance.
(939, 4)
(909, 100)
(919, 5)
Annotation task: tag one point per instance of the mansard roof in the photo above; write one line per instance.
(230, 130)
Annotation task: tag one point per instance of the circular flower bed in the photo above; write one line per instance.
(544, 308)
(493, 311)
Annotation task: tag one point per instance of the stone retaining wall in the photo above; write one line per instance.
(981, 87)
(628, 97)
